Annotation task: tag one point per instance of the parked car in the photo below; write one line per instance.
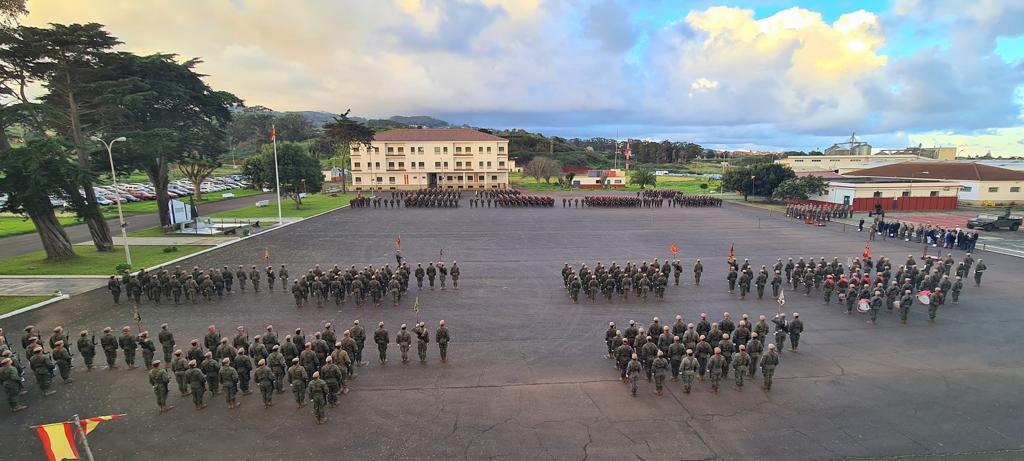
(993, 222)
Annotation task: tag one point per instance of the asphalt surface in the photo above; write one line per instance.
(27, 243)
(528, 378)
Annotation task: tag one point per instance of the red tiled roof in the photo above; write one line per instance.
(963, 171)
(435, 134)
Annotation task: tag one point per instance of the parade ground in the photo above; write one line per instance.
(527, 377)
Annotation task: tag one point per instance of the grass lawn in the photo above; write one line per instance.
(13, 303)
(311, 205)
(90, 261)
(16, 225)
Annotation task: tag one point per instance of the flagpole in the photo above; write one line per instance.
(85, 441)
(277, 175)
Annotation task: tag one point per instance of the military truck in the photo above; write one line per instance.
(993, 222)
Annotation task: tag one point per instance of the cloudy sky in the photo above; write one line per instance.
(757, 74)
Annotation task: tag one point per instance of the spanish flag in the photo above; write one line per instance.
(59, 438)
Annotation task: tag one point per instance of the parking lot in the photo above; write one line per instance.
(528, 378)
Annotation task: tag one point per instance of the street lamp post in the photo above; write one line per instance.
(113, 177)
(752, 178)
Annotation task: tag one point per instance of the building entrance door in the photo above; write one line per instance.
(431, 180)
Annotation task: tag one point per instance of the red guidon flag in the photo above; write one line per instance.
(867, 250)
(732, 254)
(398, 241)
(675, 249)
(273, 133)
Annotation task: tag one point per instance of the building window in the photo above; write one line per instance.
(391, 149)
(933, 193)
(355, 165)
(480, 149)
(877, 194)
(421, 165)
(993, 189)
(501, 164)
(437, 150)
(488, 164)
(458, 164)
(816, 160)
(391, 179)
(1014, 189)
(965, 189)
(379, 179)
(446, 164)
(421, 149)
(799, 160)
(446, 149)
(437, 164)
(481, 177)
(458, 150)
(400, 149)
(494, 177)
(376, 149)
(376, 165)
(401, 164)
(488, 149)
(905, 193)
(355, 148)
(481, 164)
(501, 148)
(358, 179)
(391, 164)
(449, 178)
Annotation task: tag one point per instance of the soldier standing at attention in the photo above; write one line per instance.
(404, 340)
(318, 391)
(741, 363)
(179, 366)
(769, 361)
(265, 380)
(11, 381)
(442, 338)
(278, 365)
(698, 268)
(109, 345)
(937, 299)
(159, 378)
(796, 327)
(62, 357)
(166, 339)
(660, 369)
(211, 369)
(148, 348)
(197, 384)
(780, 330)
(689, 367)
(716, 364)
(754, 349)
(271, 276)
(298, 377)
(632, 371)
(359, 336)
(254, 277)
(333, 376)
(419, 276)
(128, 344)
(675, 354)
(229, 382)
(241, 276)
(431, 274)
(382, 339)
(42, 366)
(114, 286)
(86, 347)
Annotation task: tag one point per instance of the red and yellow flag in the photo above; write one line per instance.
(398, 241)
(59, 438)
(867, 250)
(732, 253)
(674, 249)
(273, 133)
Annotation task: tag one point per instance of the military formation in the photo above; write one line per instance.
(641, 280)
(676, 198)
(373, 285)
(818, 212)
(317, 368)
(690, 352)
(863, 285)
(510, 198)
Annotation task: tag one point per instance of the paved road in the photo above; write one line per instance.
(528, 378)
(26, 243)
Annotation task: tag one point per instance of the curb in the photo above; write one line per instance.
(34, 306)
(53, 276)
(173, 261)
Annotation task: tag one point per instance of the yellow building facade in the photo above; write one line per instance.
(448, 158)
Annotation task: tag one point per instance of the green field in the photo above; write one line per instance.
(16, 225)
(13, 303)
(91, 262)
(311, 205)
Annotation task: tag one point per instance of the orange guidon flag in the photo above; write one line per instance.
(675, 249)
(59, 438)
(273, 133)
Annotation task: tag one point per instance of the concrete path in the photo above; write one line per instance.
(28, 286)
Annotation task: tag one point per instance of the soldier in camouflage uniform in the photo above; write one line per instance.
(159, 378)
